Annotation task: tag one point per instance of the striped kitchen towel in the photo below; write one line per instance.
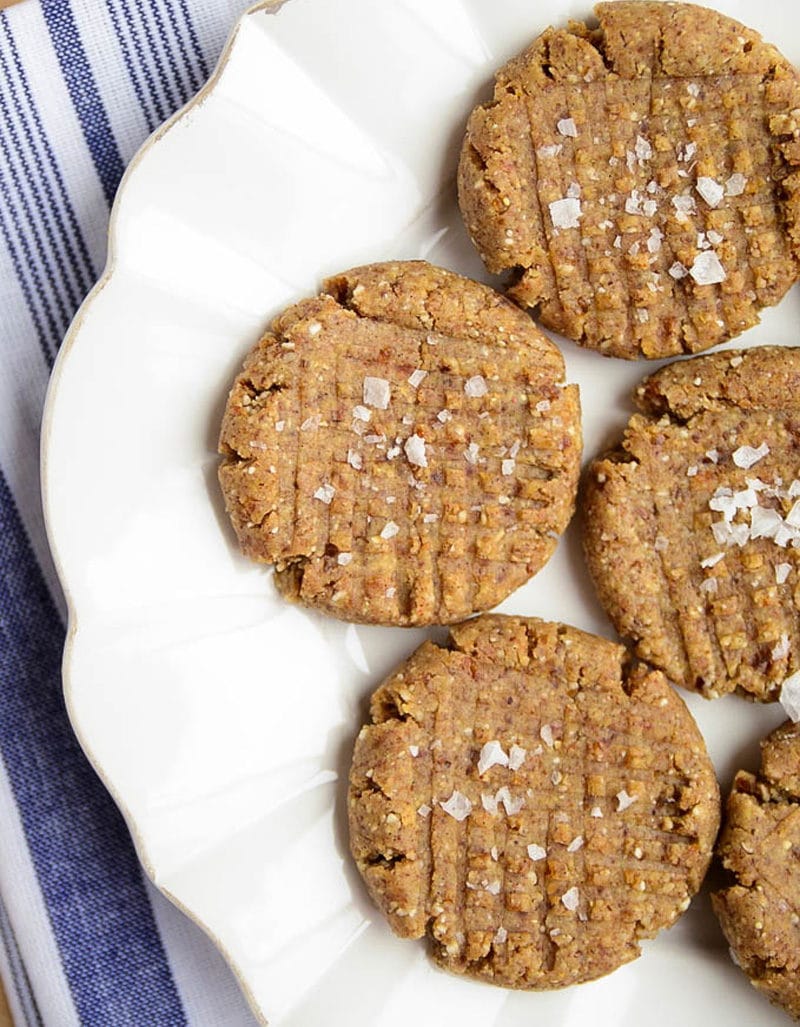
(84, 938)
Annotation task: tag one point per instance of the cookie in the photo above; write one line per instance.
(759, 846)
(402, 447)
(692, 526)
(640, 179)
(531, 802)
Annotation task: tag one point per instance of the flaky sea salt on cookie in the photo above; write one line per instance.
(403, 447)
(639, 179)
(692, 525)
(530, 802)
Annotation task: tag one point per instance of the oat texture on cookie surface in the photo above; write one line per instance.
(758, 846)
(639, 179)
(692, 524)
(531, 802)
(403, 447)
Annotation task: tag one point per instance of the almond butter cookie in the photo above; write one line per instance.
(692, 525)
(760, 847)
(402, 447)
(639, 179)
(531, 802)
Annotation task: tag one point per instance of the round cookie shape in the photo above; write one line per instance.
(640, 178)
(758, 846)
(692, 525)
(530, 802)
(402, 447)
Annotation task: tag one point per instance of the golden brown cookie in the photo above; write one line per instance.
(530, 802)
(639, 179)
(692, 526)
(760, 846)
(402, 447)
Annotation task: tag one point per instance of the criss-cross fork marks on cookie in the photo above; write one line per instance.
(642, 189)
(530, 802)
(403, 447)
(759, 846)
(692, 525)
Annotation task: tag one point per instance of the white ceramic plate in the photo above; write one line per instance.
(221, 718)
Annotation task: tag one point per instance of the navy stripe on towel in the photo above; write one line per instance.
(91, 880)
(58, 203)
(84, 93)
(26, 1000)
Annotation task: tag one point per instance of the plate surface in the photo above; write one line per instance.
(220, 718)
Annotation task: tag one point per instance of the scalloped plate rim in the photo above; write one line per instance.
(70, 341)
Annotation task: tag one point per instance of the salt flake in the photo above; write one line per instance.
(492, 754)
(736, 184)
(793, 516)
(684, 205)
(571, 899)
(536, 852)
(707, 269)
(566, 213)
(678, 271)
(711, 191)
(782, 648)
(624, 800)
(516, 757)
(325, 493)
(765, 523)
(476, 386)
(343, 559)
(567, 127)
(644, 151)
(687, 151)
(457, 806)
(633, 204)
(782, 571)
(575, 844)
(415, 451)
(790, 696)
(489, 802)
(377, 392)
(416, 378)
(654, 240)
(511, 804)
(712, 561)
(471, 453)
(389, 530)
(746, 456)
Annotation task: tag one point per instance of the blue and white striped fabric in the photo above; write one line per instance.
(84, 938)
